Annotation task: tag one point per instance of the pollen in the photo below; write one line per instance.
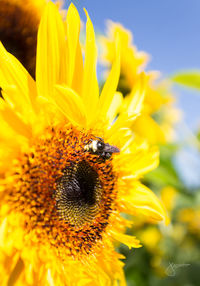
(64, 191)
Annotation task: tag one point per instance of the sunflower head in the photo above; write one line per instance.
(70, 162)
(19, 21)
(132, 61)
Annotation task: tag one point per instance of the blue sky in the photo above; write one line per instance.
(169, 30)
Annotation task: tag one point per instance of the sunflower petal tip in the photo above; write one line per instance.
(87, 14)
(72, 6)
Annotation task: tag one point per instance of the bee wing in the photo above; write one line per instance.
(111, 149)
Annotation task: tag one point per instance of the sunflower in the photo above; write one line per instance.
(70, 166)
(19, 21)
(159, 115)
(131, 59)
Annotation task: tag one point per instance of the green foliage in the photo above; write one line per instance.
(198, 135)
(188, 78)
(165, 174)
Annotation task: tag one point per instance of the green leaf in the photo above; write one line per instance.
(188, 78)
(163, 176)
(198, 135)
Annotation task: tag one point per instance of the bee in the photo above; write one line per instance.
(99, 147)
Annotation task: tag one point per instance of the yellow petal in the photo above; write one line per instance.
(15, 122)
(78, 70)
(137, 96)
(128, 240)
(50, 278)
(51, 52)
(12, 97)
(147, 128)
(142, 200)
(137, 163)
(111, 83)
(123, 121)
(114, 106)
(73, 30)
(16, 272)
(3, 230)
(90, 89)
(133, 106)
(12, 73)
(71, 105)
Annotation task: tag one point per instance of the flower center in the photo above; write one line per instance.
(78, 193)
(65, 188)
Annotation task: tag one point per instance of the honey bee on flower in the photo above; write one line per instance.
(100, 148)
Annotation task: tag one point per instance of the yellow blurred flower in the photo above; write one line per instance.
(191, 217)
(69, 166)
(150, 237)
(158, 98)
(168, 197)
(132, 61)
